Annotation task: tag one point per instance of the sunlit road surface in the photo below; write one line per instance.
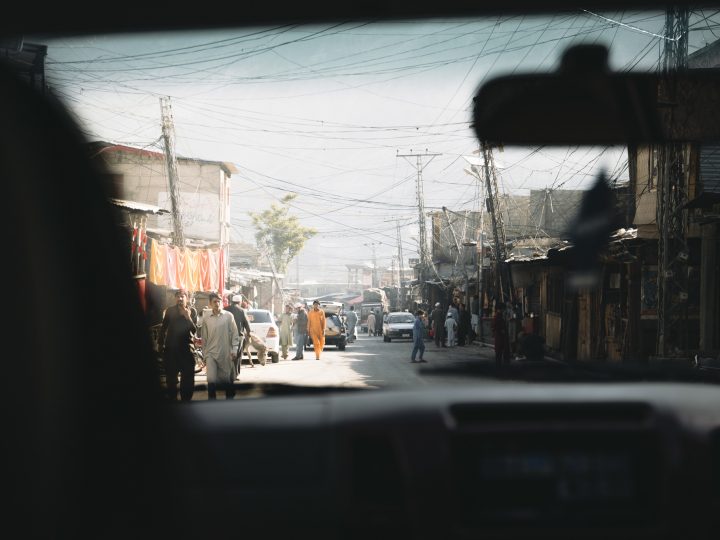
(367, 363)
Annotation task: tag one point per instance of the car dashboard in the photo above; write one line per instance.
(484, 461)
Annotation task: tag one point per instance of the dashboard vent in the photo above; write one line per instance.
(576, 414)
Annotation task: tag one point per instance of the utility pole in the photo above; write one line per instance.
(168, 134)
(419, 166)
(401, 268)
(392, 273)
(502, 281)
(481, 259)
(480, 243)
(673, 253)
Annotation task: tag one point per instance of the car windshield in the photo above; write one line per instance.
(404, 318)
(340, 161)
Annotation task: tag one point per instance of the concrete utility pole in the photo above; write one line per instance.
(502, 280)
(168, 134)
(673, 252)
(401, 268)
(480, 243)
(392, 268)
(481, 260)
(421, 210)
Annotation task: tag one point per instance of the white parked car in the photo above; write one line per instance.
(262, 323)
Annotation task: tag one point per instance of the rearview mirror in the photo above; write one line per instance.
(584, 103)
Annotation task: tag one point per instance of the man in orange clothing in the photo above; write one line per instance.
(316, 328)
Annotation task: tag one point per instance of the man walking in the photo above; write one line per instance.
(351, 320)
(378, 322)
(316, 328)
(243, 326)
(371, 323)
(286, 330)
(418, 337)
(301, 329)
(220, 344)
(175, 344)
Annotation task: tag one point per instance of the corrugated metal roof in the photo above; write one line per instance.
(618, 236)
(139, 207)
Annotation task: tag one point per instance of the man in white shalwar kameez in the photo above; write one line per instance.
(450, 328)
(220, 340)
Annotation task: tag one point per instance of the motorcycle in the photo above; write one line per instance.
(198, 354)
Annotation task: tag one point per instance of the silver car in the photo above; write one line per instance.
(262, 324)
(398, 325)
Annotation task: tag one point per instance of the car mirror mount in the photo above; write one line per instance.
(586, 103)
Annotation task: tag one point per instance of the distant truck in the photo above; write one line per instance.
(373, 299)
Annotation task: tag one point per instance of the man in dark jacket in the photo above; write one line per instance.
(437, 318)
(243, 326)
(300, 328)
(501, 336)
(464, 325)
(175, 344)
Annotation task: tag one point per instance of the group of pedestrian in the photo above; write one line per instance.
(451, 327)
(375, 320)
(224, 334)
(304, 325)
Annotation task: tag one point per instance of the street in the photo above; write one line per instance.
(367, 363)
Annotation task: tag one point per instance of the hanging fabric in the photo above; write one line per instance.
(158, 263)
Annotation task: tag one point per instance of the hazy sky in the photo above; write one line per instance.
(323, 111)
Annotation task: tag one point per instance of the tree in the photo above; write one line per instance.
(280, 234)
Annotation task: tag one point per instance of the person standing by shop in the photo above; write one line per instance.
(220, 339)
(316, 328)
(464, 334)
(500, 335)
(351, 320)
(437, 318)
(450, 329)
(300, 328)
(286, 323)
(453, 310)
(175, 343)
